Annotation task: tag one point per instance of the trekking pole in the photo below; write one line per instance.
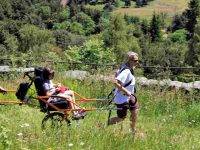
(110, 110)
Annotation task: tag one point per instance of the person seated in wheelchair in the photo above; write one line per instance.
(57, 89)
(2, 90)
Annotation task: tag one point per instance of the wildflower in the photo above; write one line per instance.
(19, 134)
(82, 143)
(24, 125)
(70, 144)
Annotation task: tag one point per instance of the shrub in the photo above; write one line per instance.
(77, 28)
(86, 21)
(63, 15)
(65, 38)
(63, 25)
(179, 36)
(31, 36)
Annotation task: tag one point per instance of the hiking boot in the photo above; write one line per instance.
(79, 115)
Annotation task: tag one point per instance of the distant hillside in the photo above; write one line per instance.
(170, 7)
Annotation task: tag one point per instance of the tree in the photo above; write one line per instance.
(116, 37)
(73, 8)
(193, 55)
(191, 14)
(155, 28)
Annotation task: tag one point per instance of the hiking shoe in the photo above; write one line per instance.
(79, 115)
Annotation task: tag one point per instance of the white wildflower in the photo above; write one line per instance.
(24, 125)
(19, 134)
(70, 144)
(82, 143)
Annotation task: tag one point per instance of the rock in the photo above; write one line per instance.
(77, 74)
(187, 86)
(4, 69)
(142, 81)
(196, 85)
(165, 82)
(176, 85)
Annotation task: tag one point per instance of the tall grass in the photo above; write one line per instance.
(167, 120)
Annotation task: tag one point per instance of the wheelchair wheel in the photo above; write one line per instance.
(54, 121)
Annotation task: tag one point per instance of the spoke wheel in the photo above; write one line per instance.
(55, 121)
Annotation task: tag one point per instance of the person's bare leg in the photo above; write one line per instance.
(115, 120)
(133, 119)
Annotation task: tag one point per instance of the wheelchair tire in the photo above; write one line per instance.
(54, 120)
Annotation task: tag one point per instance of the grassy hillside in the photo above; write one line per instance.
(167, 120)
(169, 7)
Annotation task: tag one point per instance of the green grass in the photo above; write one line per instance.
(167, 120)
(170, 7)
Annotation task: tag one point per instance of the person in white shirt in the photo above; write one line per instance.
(125, 89)
(56, 89)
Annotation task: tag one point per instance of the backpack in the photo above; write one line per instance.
(22, 91)
(122, 68)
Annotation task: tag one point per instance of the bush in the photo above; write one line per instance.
(63, 25)
(76, 28)
(31, 36)
(65, 38)
(87, 22)
(165, 54)
(63, 15)
(179, 36)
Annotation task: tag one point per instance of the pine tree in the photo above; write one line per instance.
(193, 56)
(155, 32)
(191, 14)
(73, 8)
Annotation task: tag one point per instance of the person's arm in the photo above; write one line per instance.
(120, 80)
(120, 87)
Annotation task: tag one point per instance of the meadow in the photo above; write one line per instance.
(169, 7)
(167, 120)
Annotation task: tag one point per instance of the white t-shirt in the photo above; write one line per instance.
(48, 86)
(124, 77)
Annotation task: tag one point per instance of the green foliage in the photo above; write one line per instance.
(131, 19)
(145, 26)
(116, 37)
(165, 54)
(179, 36)
(155, 27)
(65, 38)
(193, 115)
(31, 36)
(86, 21)
(93, 51)
(44, 12)
(178, 22)
(77, 28)
(192, 13)
(63, 25)
(11, 43)
(94, 13)
(193, 54)
(63, 15)
(4, 137)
